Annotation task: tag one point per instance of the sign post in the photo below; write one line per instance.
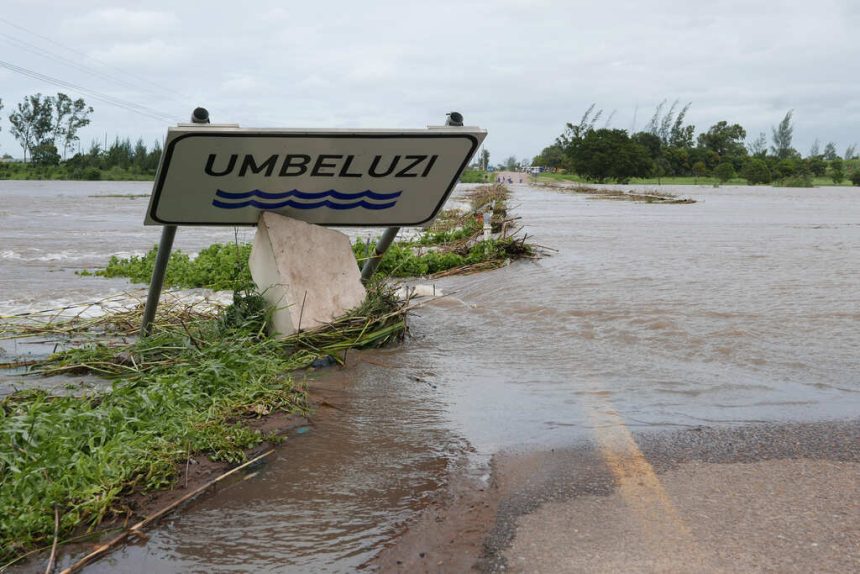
(226, 175)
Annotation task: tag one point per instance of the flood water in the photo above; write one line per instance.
(742, 307)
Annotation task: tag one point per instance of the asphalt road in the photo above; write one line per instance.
(766, 498)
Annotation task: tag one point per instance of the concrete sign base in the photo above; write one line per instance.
(306, 273)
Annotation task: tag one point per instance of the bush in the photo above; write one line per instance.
(799, 180)
(755, 171)
(724, 172)
(855, 177)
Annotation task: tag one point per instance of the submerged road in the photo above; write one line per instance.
(735, 496)
(657, 396)
(764, 498)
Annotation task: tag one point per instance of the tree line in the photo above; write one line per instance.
(669, 147)
(47, 128)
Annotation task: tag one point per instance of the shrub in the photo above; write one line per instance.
(755, 171)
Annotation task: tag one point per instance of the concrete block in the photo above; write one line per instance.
(307, 273)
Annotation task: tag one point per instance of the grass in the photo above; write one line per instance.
(690, 180)
(30, 171)
(191, 389)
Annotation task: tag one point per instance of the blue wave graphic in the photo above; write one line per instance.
(288, 199)
(306, 195)
(296, 205)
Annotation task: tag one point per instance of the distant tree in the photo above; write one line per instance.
(484, 162)
(45, 153)
(786, 168)
(661, 169)
(726, 142)
(511, 163)
(573, 134)
(758, 148)
(699, 170)
(1, 107)
(650, 142)
(814, 149)
(32, 123)
(782, 136)
(70, 116)
(681, 136)
(551, 157)
(830, 151)
(139, 155)
(724, 171)
(815, 165)
(837, 170)
(850, 152)
(755, 171)
(611, 154)
(669, 127)
(153, 157)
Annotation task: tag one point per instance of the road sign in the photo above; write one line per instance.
(211, 175)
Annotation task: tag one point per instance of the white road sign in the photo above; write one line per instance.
(212, 175)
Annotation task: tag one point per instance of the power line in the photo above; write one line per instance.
(100, 96)
(152, 86)
(65, 61)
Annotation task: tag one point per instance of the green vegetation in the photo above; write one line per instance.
(452, 243)
(193, 388)
(221, 266)
(474, 176)
(667, 151)
(47, 128)
(196, 386)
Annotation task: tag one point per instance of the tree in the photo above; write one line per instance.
(551, 157)
(611, 154)
(814, 149)
(670, 128)
(759, 147)
(756, 171)
(69, 116)
(815, 165)
(1, 107)
(725, 171)
(850, 152)
(726, 142)
(45, 153)
(511, 163)
(650, 142)
(782, 135)
(830, 151)
(837, 172)
(484, 162)
(699, 170)
(573, 134)
(32, 123)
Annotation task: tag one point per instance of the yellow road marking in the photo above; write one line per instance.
(661, 526)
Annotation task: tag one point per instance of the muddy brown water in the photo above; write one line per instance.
(740, 308)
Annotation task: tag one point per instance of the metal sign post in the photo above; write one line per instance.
(165, 246)
(227, 175)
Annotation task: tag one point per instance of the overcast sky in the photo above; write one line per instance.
(518, 68)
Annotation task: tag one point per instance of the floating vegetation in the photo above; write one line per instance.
(621, 195)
